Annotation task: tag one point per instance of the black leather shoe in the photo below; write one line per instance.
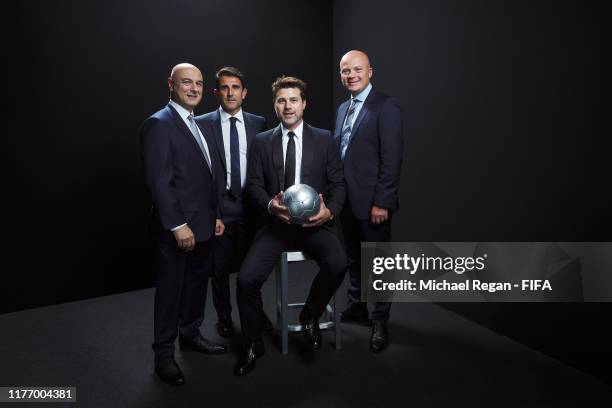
(380, 336)
(202, 345)
(246, 361)
(169, 371)
(312, 332)
(225, 326)
(266, 323)
(355, 313)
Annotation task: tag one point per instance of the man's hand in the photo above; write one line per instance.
(278, 209)
(184, 238)
(321, 218)
(219, 227)
(378, 215)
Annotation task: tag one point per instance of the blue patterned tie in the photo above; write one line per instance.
(236, 186)
(346, 130)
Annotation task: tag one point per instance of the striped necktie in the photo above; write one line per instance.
(348, 126)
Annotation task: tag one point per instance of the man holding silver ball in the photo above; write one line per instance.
(292, 153)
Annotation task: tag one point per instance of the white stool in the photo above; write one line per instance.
(282, 304)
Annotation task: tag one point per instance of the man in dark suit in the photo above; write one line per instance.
(291, 153)
(369, 132)
(178, 171)
(234, 131)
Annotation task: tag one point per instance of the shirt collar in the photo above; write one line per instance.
(363, 94)
(298, 130)
(226, 116)
(184, 113)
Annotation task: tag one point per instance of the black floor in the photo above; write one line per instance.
(436, 359)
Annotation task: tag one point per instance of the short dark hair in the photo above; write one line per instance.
(232, 72)
(288, 82)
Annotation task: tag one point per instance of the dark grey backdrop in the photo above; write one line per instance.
(507, 137)
(505, 114)
(86, 75)
(504, 106)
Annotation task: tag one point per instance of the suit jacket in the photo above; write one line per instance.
(373, 157)
(177, 175)
(321, 168)
(253, 125)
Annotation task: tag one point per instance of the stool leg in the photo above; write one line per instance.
(337, 328)
(277, 276)
(284, 306)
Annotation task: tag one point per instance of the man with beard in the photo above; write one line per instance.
(292, 153)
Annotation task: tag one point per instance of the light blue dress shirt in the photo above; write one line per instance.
(361, 96)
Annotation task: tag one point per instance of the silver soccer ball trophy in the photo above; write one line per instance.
(302, 202)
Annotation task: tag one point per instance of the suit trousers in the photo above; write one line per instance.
(229, 251)
(180, 295)
(319, 243)
(356, 231)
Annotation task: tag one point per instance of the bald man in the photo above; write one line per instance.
(369, 134)
(179, 175)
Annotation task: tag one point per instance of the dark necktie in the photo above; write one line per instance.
(290, 161)
(235, 186)
(348, 127)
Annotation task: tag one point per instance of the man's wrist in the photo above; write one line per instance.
(178, 227)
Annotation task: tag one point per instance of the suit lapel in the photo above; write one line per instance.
(307, 153)
(210, 141)
(364, 111)
(216, 127)
(186, 132)
(277, 156)
(342, 111)
(178, 121)
(250, 129)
